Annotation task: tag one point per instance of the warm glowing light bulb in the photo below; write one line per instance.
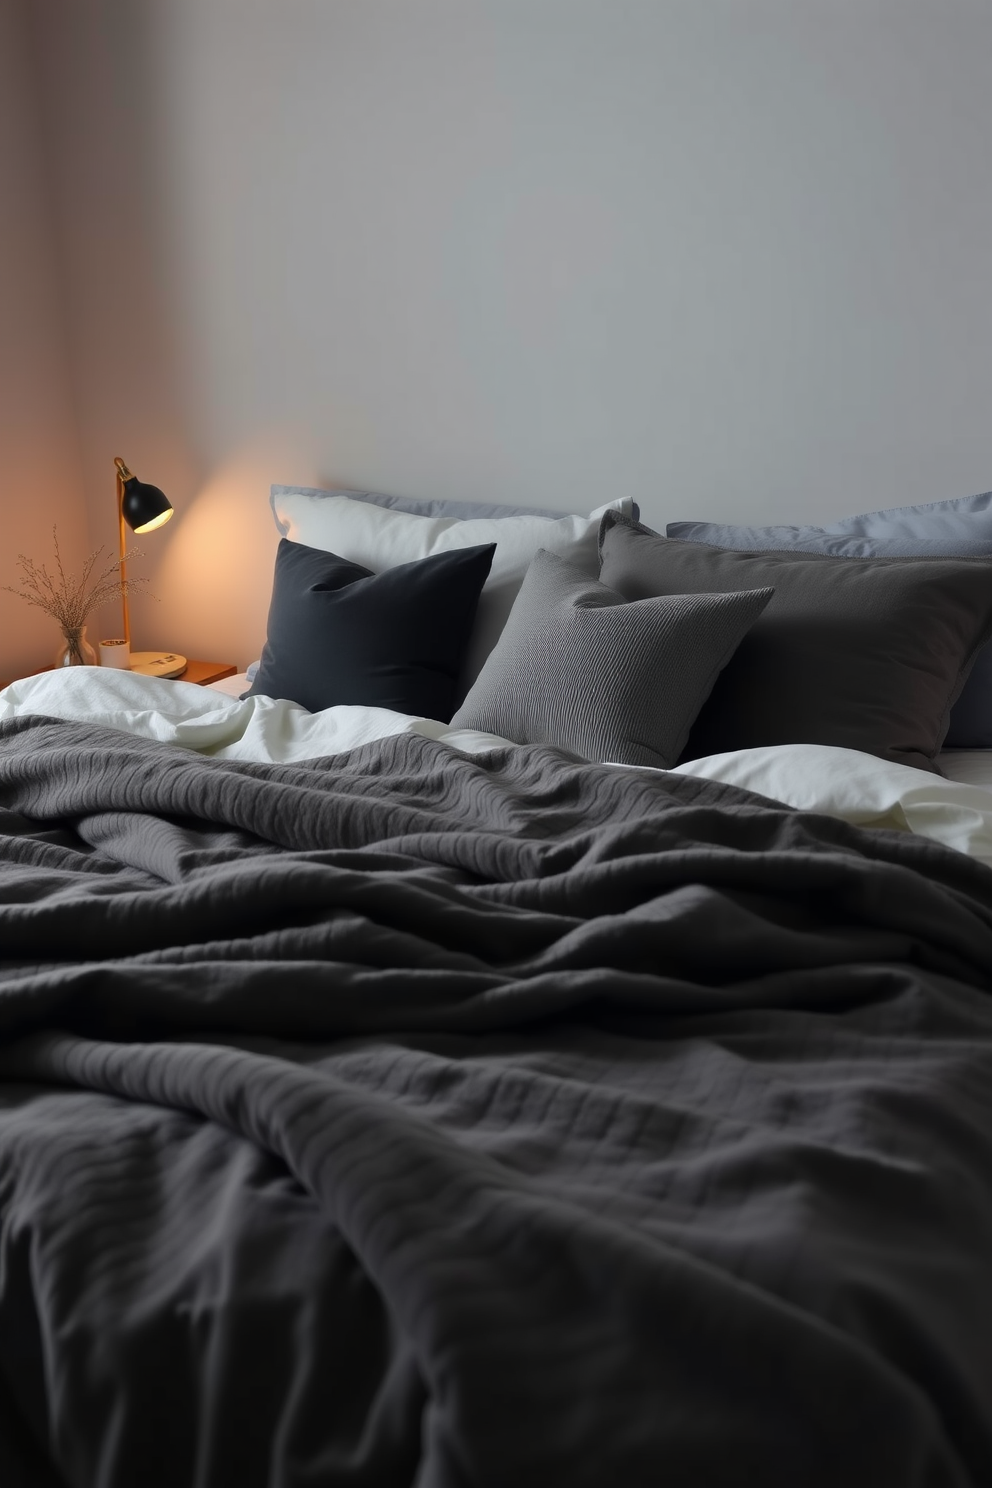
(158, 521)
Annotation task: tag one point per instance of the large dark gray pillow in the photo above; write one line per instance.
(864, 653)
(577, 667)
(944, 529)
(338, 633)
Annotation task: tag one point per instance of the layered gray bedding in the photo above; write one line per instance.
(411, 1118)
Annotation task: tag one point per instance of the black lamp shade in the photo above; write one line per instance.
(144, 506)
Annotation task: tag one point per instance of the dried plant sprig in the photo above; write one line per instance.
(66, 601)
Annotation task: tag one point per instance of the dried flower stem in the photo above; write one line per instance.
(67, 602)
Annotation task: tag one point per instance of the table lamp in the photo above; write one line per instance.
(142, 508)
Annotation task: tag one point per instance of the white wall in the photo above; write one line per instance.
(728, 256)
(40, 484)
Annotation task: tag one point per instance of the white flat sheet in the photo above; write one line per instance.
(867, 791)
(858, 788)
(969, 766)
(263, 729)
(231, 686)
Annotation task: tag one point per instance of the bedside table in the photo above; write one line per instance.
(205, 672)
(202, 673)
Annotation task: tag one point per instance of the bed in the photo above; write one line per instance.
(390, 1100)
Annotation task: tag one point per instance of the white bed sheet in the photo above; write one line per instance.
(968, 766)
(231, 686)
(955, 809)
(208, 720)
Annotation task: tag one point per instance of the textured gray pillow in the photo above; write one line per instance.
(577, 667)
(864, 653)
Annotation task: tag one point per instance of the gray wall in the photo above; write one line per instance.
(728, 256)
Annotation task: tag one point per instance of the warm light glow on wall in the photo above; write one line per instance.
(214, 581)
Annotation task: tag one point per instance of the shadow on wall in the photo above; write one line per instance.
(40, 477)
(140, 355)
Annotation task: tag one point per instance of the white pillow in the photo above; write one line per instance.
(380, 538)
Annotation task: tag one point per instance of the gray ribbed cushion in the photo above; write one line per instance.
(578, 667)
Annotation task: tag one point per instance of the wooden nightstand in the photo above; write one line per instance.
(205, 672)
(200, 672)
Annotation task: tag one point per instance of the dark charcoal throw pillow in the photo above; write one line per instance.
(338, 633)
(864, 653)
(577, 667)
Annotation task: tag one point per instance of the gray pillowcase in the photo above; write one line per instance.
(579, 668)
(963, 517)
(970, 725)
(863, 653)
(462, 511)
(819, 540)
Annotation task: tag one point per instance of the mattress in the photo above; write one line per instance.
(231, 686)
(968, 766)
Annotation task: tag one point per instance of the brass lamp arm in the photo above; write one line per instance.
(123, 474)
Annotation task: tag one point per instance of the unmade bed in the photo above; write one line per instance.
(392, 1098)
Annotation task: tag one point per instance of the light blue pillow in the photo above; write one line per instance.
(968, 518)
(962, 520)
(943, 529)
(838, 545)
(462, 511)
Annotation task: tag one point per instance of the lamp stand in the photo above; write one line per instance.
(148, 663)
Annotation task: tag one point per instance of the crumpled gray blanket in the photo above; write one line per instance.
(416, 1118)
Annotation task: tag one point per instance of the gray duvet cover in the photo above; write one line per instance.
(411, 1118)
